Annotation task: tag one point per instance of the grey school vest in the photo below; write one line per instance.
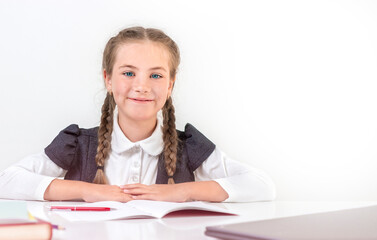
(74, 149)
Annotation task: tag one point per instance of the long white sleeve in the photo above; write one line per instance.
(242, 182)
(29, 178)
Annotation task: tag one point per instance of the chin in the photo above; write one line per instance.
(143, 117)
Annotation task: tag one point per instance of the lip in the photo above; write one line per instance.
(140, 100)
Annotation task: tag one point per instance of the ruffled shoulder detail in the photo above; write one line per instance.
(63, 148)
(198, 146)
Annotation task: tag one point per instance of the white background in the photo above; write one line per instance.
(286, 86)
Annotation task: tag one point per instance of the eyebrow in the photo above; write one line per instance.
(131, 66)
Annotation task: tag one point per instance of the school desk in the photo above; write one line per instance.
(184, 226)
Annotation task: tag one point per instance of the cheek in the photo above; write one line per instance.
(162, 93)
(160, 96)
(120, 87)
(120, 93)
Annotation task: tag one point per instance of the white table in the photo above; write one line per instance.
(187, 227)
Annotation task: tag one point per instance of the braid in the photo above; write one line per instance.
(104, 138)
(170, 139)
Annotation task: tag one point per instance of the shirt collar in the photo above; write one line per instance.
(152, 145)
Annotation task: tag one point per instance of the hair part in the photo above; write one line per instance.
(170, 137)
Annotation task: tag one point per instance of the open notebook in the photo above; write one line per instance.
(137, 209)
(355, 224)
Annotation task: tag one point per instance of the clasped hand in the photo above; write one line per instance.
(157, 192)
(125, 193)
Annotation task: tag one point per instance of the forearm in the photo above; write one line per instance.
(209, 191)
(89, 192)
(65, 190)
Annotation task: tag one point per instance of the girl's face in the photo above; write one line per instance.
(140, 80)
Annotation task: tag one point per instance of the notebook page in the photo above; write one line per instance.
(118, 211)
(159, 209)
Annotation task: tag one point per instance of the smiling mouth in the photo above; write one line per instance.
(140, 100)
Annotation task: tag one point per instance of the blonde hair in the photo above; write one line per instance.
(170, 137)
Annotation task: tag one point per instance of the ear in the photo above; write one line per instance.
(107, 78)
(171, 85)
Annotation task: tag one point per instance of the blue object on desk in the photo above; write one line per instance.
(13, 210)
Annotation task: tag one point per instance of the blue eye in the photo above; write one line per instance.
(128, 74)
(155, 76)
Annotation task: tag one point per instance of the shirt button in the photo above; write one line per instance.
(136, 148)
(135, 179)
(136, 164)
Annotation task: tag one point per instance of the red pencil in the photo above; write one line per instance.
(74, 208)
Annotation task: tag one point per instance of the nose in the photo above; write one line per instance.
(141, 84)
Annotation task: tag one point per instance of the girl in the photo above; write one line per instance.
(135, 153)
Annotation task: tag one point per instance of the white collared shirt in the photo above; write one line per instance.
(136, 162)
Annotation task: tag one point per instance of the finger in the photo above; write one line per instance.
(129, 186)
(144, 197)
(137, 191)
(125, 198)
